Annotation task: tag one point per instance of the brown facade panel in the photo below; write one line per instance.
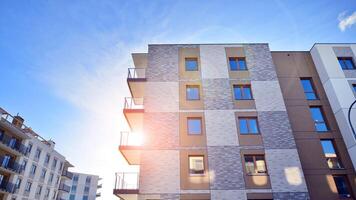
(191, 140)
(186, 104)
(189, 53)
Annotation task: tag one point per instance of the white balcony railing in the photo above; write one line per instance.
(136, 73)
(127, 181)
(133, 103)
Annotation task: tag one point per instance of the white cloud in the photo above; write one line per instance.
(346, 21)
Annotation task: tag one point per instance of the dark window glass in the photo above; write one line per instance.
(342, 186)
(194, 126)
(255, 164)
(318, 117)
(308, 88)
(237, 64)
(191, 64)
(196, 165)
(242, 92)
(192, 92)
(248, 125)
(346, 63)
(330, 154)
(354, 87)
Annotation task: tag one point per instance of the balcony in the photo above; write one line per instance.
(9, 165)
(334, 163)
(130, 147)
(67, 174)
(7, 187)
(63, 187)
(127, 185)
(12, 145)
(13, 124)
(133, 112)
(136, 79)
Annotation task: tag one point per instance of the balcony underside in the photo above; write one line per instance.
(126, 194)
(132, 154)
(12, 129)
(134, 118)
(137, 87)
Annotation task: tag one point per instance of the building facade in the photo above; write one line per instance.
(30, 166)
(232, 121)
(84, 187)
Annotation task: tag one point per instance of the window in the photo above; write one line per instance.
(24, 164)
(346, 63)
(85, 197)
(57, 180)
(354, 87)
(28, 187)
(47, 192)
(54, 165)
(342, 186)
(242, 92)
(248, 125)
(308, 88)
(237, 64)
(39, 190)
(86, 189)
(255, 164)
(192, 92)
(75, 178)
(74, 189)
(38, 153)
(50, 180)
(318, 117)
(33, 169)
(18, 183)
(330, 154)
(88, 179)
(196, 165)
(43, 173)
(191, 64)
(72, 197)
(29, 148)
(194, 125)
(60, 166)
(48, 157)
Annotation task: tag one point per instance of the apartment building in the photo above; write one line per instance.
(237, 121)
(84, 187)
(30, 166)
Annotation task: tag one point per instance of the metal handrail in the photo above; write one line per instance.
(11, 119)
(136, 73)
(7, 186)
(128, 139)
(67, 173)
(133, 103)
(127, 180)
(10, 164)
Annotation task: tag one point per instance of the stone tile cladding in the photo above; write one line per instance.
(268, 96)
(285, 170)
(228, 195)
(161, 97)
(276, 130)
(160, 171)
(162, 63)
(217, 94)
(291, 196)
(221, 128)
(160, 135)
(225, 167)
(260, 63)
(213, 62)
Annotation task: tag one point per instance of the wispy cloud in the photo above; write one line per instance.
(346, 21)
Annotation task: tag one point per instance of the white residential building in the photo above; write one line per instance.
(84, 187)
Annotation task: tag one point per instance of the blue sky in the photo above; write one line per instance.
(64, 63)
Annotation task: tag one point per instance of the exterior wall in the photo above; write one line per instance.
(81, 184)
(291, 67)
(162, 171)
(336, 85)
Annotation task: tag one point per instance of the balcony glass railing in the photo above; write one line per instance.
(10, 164)
(64, 187)
(13, 143)
(6, 186)
(14, 121)
(127, 181)
(133, 103)
(136, 73)
(130, 139)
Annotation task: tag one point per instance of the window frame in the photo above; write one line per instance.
(312, 86)
(201, 125)
(255, 164)
(242, 86)
(343, 59)
(348, 186)
(323, 116)
(204, 167)
(186, 92)
(337, 157)
(238, 67)
(248, 125)
(191, 59)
